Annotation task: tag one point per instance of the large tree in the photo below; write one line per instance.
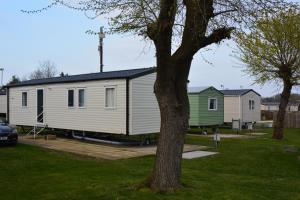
(178, 29)
(272, 53)
(46, 69)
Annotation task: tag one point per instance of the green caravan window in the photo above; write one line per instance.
(212, 104)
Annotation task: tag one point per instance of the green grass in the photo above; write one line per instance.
(245, 169)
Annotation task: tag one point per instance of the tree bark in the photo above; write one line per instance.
(284, 100)
(171, 83)
(171, 93)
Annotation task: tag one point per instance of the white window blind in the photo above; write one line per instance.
(81, 98)
(24, 99)
(251, 104)
(109, 97)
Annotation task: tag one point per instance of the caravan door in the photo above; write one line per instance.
(40, 106)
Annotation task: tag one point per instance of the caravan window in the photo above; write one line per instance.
(81, 98)
(24, 99)
(70, 98)
(251, 105)
(110, 97)
(212, 104)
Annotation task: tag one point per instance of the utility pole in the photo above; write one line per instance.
(100, 47)
(1, 69)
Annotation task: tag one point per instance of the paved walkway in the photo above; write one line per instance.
(249, 135)
(197, 154)
(102, 151)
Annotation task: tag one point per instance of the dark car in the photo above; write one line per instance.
(8, 135)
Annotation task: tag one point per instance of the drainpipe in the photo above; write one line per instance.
(240, 112)
(95, 140)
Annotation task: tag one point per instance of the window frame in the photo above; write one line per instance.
(22, 100)
(73, 106)
(84, 97)
(251, 104)
(114, 96)
(216, 105)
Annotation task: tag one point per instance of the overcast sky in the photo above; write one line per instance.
(59, 35)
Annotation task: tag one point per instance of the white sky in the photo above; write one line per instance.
(59, 35)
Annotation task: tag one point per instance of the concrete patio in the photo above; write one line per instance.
(102, 151)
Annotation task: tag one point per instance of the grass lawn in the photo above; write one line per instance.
(245, 169)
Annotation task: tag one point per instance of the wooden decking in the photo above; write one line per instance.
(110, 152)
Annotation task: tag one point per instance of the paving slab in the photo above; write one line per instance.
(222, 135)
(290, 149)
(197, 154)
(257, 134)
(248, 135)
(103, 151)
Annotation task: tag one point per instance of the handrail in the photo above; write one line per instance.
(39, 115)
(35, 126)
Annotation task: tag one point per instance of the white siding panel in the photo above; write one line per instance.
(232, 108)
(17, 114)
(292, 108)
(251, 115)
(144, 110)
(264, 107)
(93, 117)
(3, 104)
(273, 108)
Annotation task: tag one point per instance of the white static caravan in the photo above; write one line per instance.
(3, 103)
(117, 102)
(274, 106)
(243, 105)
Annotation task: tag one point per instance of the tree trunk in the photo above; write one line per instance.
(284, 100)
(171, 83)
(171, 93)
